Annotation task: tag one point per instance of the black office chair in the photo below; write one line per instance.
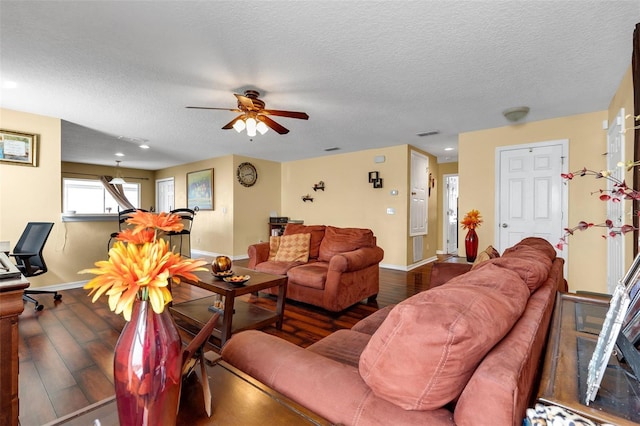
(187, 216)
(123, 215)
(29, 260)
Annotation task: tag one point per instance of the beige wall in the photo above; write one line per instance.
(349, 200)
(32, 194)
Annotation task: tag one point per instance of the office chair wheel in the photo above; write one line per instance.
(57, 297)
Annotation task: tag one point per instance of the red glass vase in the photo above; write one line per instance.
(471, 245)
(147, 369)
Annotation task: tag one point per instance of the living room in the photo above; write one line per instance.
(240, 214)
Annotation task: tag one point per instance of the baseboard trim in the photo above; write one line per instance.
(408, 268)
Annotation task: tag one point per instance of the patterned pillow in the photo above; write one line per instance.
(488, 254)
(274, 243)
(293, 248)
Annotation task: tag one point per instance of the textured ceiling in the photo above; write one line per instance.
(369, 74)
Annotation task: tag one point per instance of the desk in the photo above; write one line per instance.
(237, 315)
(11, 306)
(577, 321)
(238, 399)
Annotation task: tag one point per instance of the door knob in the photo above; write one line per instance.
(504, 225)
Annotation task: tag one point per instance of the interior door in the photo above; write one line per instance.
(419, 188)
(450, 213)
(531, 197)
(164, 195)
(615, 211)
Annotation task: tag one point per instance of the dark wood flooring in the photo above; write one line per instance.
(66, 350)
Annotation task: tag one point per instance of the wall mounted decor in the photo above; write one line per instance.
(247, 174)
(373, 176)
(18, 148)
(318, 186)
(306, 198)
(377, 183)
(200, 189)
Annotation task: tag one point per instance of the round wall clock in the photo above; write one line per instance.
(247, 174)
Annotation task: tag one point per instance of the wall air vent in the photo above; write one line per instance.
(431, 133)
(335, 148)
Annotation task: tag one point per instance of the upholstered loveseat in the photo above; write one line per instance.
(326, 266)
(466, 352)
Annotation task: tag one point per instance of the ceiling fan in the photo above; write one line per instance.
(254, 116)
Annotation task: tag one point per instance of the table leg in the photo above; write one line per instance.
(225, 333)
(282, 292)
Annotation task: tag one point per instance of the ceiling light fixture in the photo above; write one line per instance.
(117, 180)
(251, 124)
(516, 113)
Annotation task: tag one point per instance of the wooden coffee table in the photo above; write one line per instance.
(238, 399)
(238, 315)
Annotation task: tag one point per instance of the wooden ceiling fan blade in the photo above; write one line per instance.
(230, 124)
(272, 124)
(219, 109)
(290, 114)
(245, 101)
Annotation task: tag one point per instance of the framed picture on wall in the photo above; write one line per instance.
(200, 189)
(18, 148)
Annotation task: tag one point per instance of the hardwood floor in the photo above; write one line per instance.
(66, 350)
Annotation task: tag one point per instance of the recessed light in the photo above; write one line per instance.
(448, 149)
(144, 146)
(9, 84)
(119, 154)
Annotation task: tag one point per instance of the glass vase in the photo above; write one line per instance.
(147, 370)
(471, 245)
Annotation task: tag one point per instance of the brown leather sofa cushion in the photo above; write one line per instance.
(340, 240)
(423, 354)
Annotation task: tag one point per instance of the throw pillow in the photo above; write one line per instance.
(274, 243)
(316, 231)
(424, 353)
(341, 240)
(293, 248)
(488, 254)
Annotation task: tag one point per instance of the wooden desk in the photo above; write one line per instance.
(577, 321)
(237, 315)
(11, 306)
(238, 399)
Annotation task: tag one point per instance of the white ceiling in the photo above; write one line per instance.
(370, 74)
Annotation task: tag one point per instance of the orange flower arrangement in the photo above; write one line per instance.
(141, 264)
(472, 220)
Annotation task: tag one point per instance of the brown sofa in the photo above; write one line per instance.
(467, 352)
(341, 266)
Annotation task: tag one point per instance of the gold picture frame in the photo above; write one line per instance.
(200, 190)
(18, 148)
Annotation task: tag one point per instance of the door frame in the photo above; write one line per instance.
(564, 143)
(158, 182)
(445, 205)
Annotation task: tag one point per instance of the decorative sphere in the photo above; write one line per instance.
(221, 264)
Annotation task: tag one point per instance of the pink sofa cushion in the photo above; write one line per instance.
(277, 268)
(311, 275)
(543, 246)
(531, 267)
(340, 240)
(316, 231)
(426, 350)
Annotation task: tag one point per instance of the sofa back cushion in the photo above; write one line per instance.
(293, 248)
(426, 350)
(341, 240)
(540, 244)
(316, 231)
(274, 244)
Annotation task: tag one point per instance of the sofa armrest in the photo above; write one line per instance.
(327, 387)
(258, 253)
(356, 260)
(441, 272)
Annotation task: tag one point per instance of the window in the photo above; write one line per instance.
(90, 197)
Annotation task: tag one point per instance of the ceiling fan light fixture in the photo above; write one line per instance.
(262, 128)
(239, 125)
(515, 114)
(251, 126)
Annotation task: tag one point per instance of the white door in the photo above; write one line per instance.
(530, 197)
(164, 195)
(615, 211)
(450, 213)
(419, 187)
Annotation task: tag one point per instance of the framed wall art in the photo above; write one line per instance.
(18, 148)
(200, 189)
